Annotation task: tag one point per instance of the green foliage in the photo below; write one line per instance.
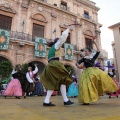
(22, 69)
(5, 69)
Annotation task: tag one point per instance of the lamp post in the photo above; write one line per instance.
(23, 23)
(54, 32)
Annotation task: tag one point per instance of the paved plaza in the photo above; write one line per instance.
(31, 109)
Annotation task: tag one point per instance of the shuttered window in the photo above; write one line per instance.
(38, 31)
(88, 43)
(5, 22)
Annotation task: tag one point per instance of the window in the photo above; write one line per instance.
(64, 5)
(5, 22)
(88, 43)
(38, 31)
(86, 14)
(44, 0)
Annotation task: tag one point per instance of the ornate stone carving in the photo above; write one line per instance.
(6, 7)
(53, 15)
(39, 17)
(40, 8)
(88, 32)
(24, 5)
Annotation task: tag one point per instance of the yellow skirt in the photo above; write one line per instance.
(94, 83)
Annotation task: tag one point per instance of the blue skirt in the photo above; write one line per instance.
(72, 90)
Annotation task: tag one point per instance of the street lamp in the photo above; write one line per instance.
(54, 32)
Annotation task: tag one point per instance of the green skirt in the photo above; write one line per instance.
(54, 75)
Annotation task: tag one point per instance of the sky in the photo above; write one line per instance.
(107, 16)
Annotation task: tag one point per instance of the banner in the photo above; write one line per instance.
(68, 48)
(4, 39)
(40, 47)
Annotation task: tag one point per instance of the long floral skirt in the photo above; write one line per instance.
(54, 75)
(94, 83)
(13, 88)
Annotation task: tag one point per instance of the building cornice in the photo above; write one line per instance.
(89, 4)
(113, 26)
(67, 12)
(49, 5)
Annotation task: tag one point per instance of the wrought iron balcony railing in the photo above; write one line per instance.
(15, 35)
(64, 7)
(43, 1)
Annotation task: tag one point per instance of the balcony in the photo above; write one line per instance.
(63, 7)
(15, 35)
(44, 1)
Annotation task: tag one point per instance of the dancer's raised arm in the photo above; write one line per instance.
(63, 38)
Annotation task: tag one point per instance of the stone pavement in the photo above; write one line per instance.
(31, 109)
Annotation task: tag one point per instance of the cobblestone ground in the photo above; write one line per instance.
(31, 109)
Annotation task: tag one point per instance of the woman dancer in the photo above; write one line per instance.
(55, 76)
(93, 81)
(14, 87)
(73, 88)
(38, 87)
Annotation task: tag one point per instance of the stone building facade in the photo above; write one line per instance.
(116, 48)
(47, 18)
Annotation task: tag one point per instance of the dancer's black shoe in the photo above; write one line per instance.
(86, 104)
(68, 103)
(17, 97)
(48, 104)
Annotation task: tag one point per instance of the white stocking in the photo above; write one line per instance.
(63, 92)
(47, 98)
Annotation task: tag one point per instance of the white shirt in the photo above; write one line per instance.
(28, 76)
(62, 39)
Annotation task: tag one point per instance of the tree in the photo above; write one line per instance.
(22, 70)
(5, 69)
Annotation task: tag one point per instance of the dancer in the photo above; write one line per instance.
(110, 72)
(30, 77)
(38, 87)
(14, 86)
(93, 81)
(99, 66)
(73, 88)
(112, 75)
(55, 76)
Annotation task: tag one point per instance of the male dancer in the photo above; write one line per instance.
(30, 78)
(55, 76)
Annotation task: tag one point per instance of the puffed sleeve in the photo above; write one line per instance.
(36, 70)
(28, 78)
(80, 61)
(62, 39)
(96, 55)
